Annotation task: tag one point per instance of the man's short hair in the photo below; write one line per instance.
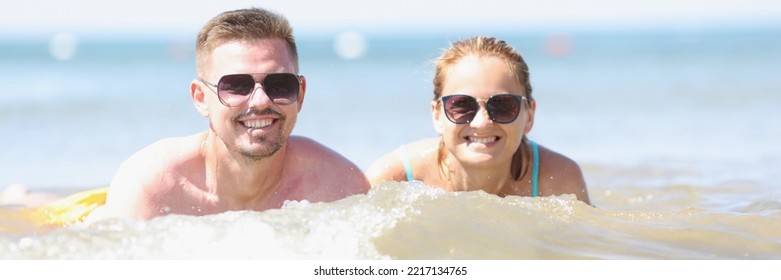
(243, 25)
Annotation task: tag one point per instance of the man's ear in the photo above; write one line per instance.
(436, 115)
(302, 93)
(199, 98)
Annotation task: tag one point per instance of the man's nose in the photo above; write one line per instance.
(258, 97)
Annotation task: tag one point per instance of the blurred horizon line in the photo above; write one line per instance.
(310, 32)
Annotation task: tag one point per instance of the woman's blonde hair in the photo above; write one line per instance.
(481, 46)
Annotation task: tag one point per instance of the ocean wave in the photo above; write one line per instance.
(414, 221)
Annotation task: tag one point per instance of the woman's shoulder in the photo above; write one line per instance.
(420, 152)
(424, 144)
(393, 166)
(556, 159)
(560, 174)
(417, 150)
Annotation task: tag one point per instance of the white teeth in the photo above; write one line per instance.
(258, 124)
(482, 140)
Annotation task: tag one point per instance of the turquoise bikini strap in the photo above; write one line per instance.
(407, 165)
(535, 167)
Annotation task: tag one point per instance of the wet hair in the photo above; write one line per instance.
(243, 25)
(483, 46)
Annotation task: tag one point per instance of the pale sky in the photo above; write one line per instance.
(49, 16)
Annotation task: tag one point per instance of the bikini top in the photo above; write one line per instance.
(535, 166)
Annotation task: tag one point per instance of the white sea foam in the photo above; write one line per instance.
(414, 221)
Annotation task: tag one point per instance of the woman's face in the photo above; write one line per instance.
(482, 141)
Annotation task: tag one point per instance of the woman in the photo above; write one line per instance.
(482, 110)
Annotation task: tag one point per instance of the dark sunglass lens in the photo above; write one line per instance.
(281, 88)
(460, 109)
(240, 84)
(504, 108)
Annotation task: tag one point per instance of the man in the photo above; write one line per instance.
(249, 89)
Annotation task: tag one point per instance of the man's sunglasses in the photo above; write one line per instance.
(502, 108)
(235, 89)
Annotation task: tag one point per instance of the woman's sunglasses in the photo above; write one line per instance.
(235, 89)
(502, 108)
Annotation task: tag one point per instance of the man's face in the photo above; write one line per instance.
(258, 127)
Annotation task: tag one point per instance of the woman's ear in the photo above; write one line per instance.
(530, 116)
(199, 98)
(436, 116)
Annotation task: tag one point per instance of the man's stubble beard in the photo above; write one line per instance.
(265, 153)
(252, 155)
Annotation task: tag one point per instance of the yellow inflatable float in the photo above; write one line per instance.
(72, 209)
(63, 212)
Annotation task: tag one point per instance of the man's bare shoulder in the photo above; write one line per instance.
(148, 174)
(319, 165)
(304, 149)
(165, 154)
(176, 147)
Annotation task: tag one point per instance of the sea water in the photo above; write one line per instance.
(676, 131)
(414, 221)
